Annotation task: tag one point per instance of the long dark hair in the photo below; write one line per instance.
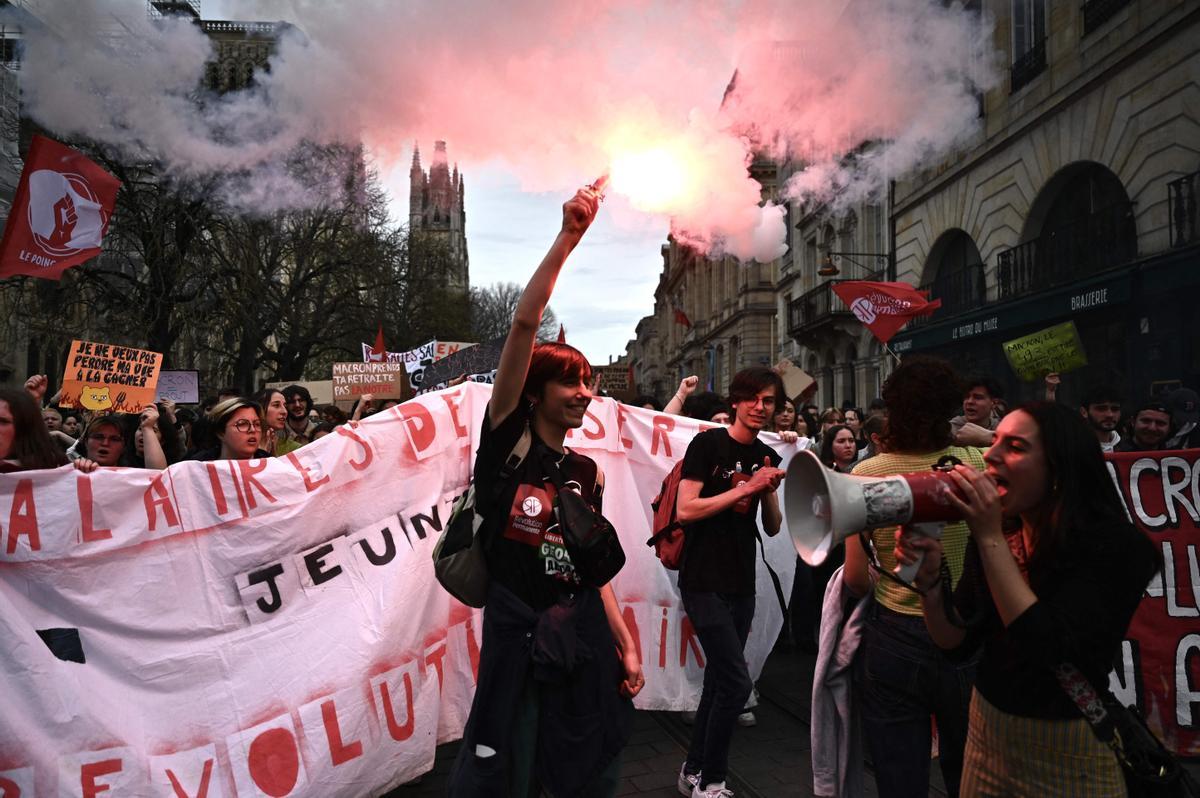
(827, 443)
(1083, 498)
(32, 446)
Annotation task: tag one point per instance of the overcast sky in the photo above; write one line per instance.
(607, 284)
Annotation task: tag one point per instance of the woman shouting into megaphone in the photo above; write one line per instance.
(1050, 599)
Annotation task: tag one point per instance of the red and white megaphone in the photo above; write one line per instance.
(823, 507)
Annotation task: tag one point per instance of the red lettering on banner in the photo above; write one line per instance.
(367, 454)
(422, 434)
(452, 402)
(249, 468)
(201, 791)
(621, 419)
(688, 639)
(662, 431)
(309, 484)
(662, 641)
(596, 434)
(473, 649)
(161, 500)
(91, 771)
(22, 519)
(9, 788)
(396, 731)
(434, 655)
(89, 533)
(218, 493)
(340, 751)
(631, 624)
(274, 762)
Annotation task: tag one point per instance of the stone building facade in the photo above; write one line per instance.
(1077, 201)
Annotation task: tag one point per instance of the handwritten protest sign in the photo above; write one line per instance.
(181, 387)
(108, 378)
(1056, 348)
(381, 380)
(614, 381)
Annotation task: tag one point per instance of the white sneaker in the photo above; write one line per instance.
(712, 791)
(687, 782)
(747, 719)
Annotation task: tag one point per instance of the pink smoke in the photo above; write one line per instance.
(560, 92)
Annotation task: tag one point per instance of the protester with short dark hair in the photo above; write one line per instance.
(24, 440)
(976, 425)
(563, 729)
(1150, 428)
(332, 414)
(299, 427)
(877, 407)
(1058, 592)
(1101, 409)
(236, 426)
(901, 677)
(706, 406)
(646, 402)
(726, 473)
(71, 425)
(323, 429)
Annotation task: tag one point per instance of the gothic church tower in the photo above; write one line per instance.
(436, 210)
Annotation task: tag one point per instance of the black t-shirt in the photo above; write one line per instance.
(719, 551)
(1083, 609)
(526, 553)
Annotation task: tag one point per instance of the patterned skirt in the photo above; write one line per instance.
(1008, 755)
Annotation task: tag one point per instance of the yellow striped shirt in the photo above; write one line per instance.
(954, 536)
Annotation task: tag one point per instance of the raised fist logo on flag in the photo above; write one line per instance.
(59, 214)
(884, 307)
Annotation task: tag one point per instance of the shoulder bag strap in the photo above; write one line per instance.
(1085, 697)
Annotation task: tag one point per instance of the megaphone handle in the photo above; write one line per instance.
(908, 572)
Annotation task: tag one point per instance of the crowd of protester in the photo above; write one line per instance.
(1032, 486)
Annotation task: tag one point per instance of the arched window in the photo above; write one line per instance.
(1081, 222)
(954, 274)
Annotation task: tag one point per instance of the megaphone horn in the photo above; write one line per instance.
(824, 507)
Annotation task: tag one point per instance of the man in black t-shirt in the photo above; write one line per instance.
(727, 473)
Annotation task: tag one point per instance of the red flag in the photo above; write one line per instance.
(59, 214)
(884, 307)
(562, 334)
(680, 316)
(378, 353)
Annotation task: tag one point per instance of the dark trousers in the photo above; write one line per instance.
(903, 678)
(722, 623)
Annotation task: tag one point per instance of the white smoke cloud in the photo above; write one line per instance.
(548, 88)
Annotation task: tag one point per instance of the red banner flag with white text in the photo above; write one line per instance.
(884, 307)
(59, 214)
(1158, 666)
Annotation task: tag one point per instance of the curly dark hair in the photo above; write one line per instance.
(922, 394)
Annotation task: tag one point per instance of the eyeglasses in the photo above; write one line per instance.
(242, 425)
(109, 439)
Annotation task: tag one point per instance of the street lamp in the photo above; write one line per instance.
(829, 265)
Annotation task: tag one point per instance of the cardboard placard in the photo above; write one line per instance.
(1054, 349)
(180, 386)
(381, 380)
(107, 378)
(796, 381)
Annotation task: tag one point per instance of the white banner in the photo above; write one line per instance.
(273, 627)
